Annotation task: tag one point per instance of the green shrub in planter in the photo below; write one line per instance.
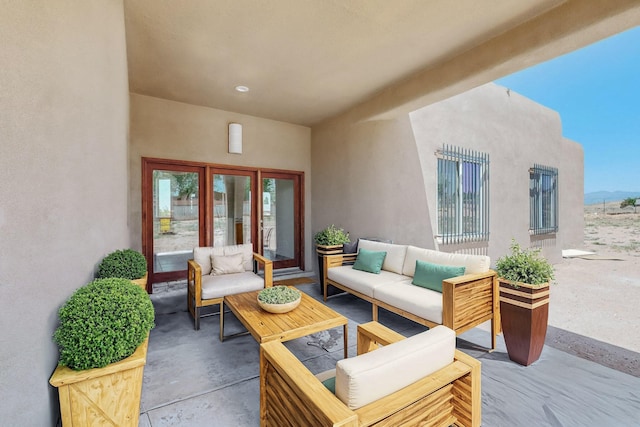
(524, 266)
(331, 235)
(125, 263)
(103, 322)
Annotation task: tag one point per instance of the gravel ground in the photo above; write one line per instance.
(600, 298)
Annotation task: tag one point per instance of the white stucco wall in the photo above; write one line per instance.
(64, 180)
(378, 178)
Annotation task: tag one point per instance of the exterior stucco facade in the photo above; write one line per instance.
(378, 178)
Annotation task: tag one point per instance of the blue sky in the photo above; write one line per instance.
(596, 90)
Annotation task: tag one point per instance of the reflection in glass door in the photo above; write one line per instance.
(280, 219)
(176, 215)
(232, 209)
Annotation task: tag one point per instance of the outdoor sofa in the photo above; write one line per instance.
(463, 302)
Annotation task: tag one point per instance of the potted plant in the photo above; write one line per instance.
(102, 338)
(125, 263)
(279, 299)
(524, 277)
(329, 241)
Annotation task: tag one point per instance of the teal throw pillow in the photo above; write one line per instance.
(330, 383)
(430, 276)
(369, 261)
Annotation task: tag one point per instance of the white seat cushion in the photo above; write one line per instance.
(394, 260)
(416, 300)
(473, 263)
(229, 284)
(361, 281)
(366, 378)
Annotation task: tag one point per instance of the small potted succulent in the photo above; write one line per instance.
(124, 263)
(102, 338)
(279, 299)
(524, 277)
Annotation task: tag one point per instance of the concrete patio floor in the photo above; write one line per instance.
(193, 379)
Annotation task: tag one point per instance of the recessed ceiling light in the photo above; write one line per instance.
(242, 89)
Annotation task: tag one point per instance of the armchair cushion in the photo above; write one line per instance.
(247, 254)
(229, 284)
(366, 378)
(202, 255)
(227, 264)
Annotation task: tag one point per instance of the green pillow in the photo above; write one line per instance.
(369, 261)
(430, 276)
(330, 383)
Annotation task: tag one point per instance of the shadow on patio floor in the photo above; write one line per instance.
(192, 379)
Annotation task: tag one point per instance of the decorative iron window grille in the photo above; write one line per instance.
(463, 195)
(543, 200)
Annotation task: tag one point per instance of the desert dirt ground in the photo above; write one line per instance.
(600, 298)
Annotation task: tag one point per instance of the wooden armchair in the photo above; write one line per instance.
(215, 272)
(290, 395)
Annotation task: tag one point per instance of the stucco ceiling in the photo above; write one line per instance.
(303, 60)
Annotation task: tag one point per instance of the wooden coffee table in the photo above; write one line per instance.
(309, 317)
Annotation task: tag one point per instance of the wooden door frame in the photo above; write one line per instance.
(205, 207)
(235, 171)
(298, 177)
(148, 166)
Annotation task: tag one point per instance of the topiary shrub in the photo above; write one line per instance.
(103, 322)
(125, 263)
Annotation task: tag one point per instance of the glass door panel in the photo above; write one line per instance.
(176, 217)
(232, 209)
(280, 222)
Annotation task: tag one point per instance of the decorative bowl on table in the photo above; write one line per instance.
(279, 299)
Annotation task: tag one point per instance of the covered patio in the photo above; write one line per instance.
(193, 379)
(91, 89)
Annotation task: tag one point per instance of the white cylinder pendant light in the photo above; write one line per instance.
(235, 138)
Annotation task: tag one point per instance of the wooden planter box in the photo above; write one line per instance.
(142, 282)
(102, 396)
(524, 311)
(322, 251)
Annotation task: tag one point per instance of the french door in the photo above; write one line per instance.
(281, 220)
(233, 207)
(189, 204)
(172, 215)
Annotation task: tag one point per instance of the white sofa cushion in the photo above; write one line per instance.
(419, 301)
(229, 284)
(361, 281)
(395, 254)
(473, 263)
(366, 378)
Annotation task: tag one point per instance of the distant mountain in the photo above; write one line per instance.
(608, 196)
